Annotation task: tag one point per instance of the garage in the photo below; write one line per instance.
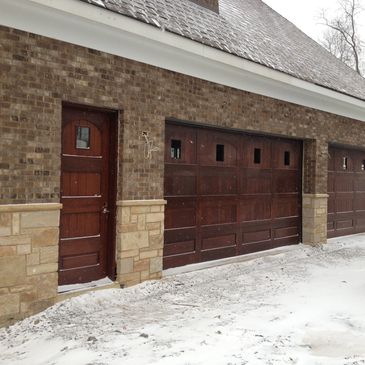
(228, 194)
(346, 189)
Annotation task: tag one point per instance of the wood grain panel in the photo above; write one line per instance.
(241, 197)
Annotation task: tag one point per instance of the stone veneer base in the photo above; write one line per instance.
(140, 228)
(314, 219)
(28, 259)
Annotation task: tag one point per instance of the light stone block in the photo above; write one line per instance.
(42, 268)
(5, 224)
(49, 254)
(44, 236)
(24, 249)
(155, 217)
(134, 240)
(155, 265)
(7, 251)
(40, 219)
(9, 304)
(12, 270)
(126, 265)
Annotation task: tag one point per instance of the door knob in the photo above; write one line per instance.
(105, 209)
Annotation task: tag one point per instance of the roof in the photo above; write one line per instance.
(251, 30)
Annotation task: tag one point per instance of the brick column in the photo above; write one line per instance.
(28, 259)
(315, 197)
(140, 227)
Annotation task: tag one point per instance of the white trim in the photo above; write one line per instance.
(90, 26)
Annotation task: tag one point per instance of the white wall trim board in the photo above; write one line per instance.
(82, 24)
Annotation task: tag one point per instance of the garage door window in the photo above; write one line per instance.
(220, 152)
(286, 158)
(176, 149)
(257, 156)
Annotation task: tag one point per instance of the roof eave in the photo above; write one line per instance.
(94, 27)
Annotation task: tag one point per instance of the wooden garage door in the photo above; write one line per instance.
(346, 189)
(228, 194)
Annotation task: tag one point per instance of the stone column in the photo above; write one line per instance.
(140, 228)
(314, 219)
(28, 259)
(315, 197)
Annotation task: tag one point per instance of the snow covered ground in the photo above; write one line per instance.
(305, 306)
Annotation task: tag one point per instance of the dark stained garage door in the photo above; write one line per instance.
(346, 189)
(228, 194)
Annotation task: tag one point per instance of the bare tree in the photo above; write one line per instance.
(342, 36)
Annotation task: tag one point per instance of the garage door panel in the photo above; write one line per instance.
(286, 181)
(344, 202)
(218, 210)
(217, 181)
(286, 232)
(343, 160)
(178, 248)
(359, 201)
(180, 212)
(258, 235)
(219, 242)
(239, 196)
(217, 148)
(344, 182)
(256, 153)
(285, 241)
(331, 203)
(245, 249)
(217, 254)
(331, 182)
(180, 180)
(285, 206)
(255, 181)
(180, 145)
(255, 208)
(179, 241)
(359, 183)
(286, 155)
(179, 260)
(360, 222)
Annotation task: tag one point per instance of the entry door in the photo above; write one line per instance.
(85, 179)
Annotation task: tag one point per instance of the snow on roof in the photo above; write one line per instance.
(249, 29)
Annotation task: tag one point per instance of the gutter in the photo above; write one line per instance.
(94, 27)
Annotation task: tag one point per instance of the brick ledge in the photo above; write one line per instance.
(31, 207)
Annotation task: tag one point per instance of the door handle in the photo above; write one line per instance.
(105, 209)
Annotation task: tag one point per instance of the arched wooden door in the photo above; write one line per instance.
(87, 213)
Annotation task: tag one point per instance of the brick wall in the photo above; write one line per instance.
(38, 73)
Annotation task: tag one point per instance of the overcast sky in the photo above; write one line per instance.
(304, 14)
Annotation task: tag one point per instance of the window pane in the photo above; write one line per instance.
(82, 137)
(176, 149)
(220, 152)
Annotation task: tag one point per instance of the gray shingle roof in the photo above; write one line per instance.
(249, 29)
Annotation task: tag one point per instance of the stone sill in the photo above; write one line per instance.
(315, 195)
(134, 203)
(31, 207)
